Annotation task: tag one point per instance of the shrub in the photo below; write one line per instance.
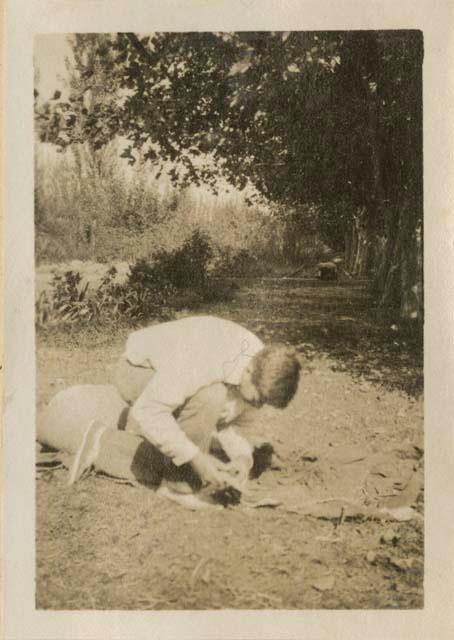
(66, 302)
(178, 278)
(69, 301)
(186, 267)
(143, 295)
(237, 263)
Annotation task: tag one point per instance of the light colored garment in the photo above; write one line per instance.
(186, 355)
(62, 423)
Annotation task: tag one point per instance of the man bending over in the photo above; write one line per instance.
(188, 381)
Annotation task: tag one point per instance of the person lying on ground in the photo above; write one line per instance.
(191, 378)
(89, 425)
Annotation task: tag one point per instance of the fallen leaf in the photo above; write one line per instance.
(323, 583)
(409, 493)
(310, 456)
(402, 514)
(390, 537)
(206, 576)
(401, 563)
(264, 502)
(371, 557)
(201, 570)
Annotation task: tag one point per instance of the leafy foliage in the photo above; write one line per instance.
(71, 302)
(293, 110)
(328, 118)
(187, 266)
(238, 263)
(152, 289)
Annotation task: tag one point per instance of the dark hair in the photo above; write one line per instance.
(275, 374)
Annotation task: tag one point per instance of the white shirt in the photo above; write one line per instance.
(186, 354)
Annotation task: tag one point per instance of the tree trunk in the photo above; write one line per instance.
(353, 245)
(411, 306)
(348, 248)
(384, 252)
(399, 279)
(390, 293)
(357, 245)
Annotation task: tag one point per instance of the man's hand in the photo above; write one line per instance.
(211, 471)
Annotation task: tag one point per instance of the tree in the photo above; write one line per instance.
(330, 119)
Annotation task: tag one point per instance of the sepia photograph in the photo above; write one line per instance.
(229, 314)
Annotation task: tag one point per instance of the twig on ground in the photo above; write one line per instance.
(198, 569)
(341, 518)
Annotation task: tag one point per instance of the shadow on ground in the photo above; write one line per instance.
(338, 320)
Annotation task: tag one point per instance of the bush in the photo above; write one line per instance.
(71, 302)
(187, 274)
(237, 264)
(67, 302)
(114, 302)
(178, 278)
(186, 267)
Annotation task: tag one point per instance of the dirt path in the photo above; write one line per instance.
(110, 546)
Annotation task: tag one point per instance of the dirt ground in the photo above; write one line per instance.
(105, 545)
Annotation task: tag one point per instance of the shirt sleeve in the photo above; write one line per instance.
(153, 412)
